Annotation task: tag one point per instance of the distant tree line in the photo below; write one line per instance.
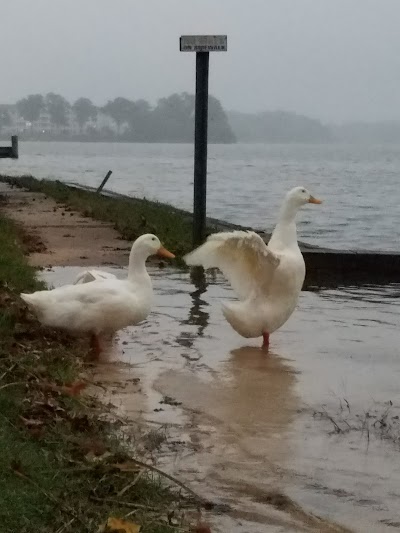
(5, 118)
(278, 127)
(171, 120)
(368, 132)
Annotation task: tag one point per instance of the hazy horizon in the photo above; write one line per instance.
(331, 60)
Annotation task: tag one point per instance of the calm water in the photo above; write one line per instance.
(246, 183)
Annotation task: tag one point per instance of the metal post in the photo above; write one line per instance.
(200, 149)
(202, 45)
(14, 146)
(104, 181)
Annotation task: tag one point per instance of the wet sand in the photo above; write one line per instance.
(258, 432)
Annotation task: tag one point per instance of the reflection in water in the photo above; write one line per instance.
(120, 386)
(251, 400)
(197, 316)
(260, 400)
(238, 422)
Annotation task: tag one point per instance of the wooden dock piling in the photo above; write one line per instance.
(10, 151)
(104, 181)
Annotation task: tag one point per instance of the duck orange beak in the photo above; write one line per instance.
(313, 200)
(163, 252)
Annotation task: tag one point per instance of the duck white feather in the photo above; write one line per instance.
(86, 276)
(267, 279)
(103, 306)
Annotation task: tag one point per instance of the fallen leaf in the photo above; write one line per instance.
(117, 525)
(201, 528)
(48, 405)
(73, 389)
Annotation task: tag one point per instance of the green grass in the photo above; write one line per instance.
(14, 268)
(57, 452)
(131, 217)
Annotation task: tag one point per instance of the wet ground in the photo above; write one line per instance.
(312, 430)
(60, 236)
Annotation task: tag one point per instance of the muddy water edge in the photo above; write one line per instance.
(303, 440)
(310, 431)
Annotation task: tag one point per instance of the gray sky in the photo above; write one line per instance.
(332, 59)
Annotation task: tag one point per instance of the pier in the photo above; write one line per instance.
(10, 151)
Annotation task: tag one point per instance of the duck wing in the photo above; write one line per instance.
(243, 258)
(86, 276)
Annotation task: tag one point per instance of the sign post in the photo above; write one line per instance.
(202, 45)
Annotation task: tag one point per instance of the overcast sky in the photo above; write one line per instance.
(332, 59)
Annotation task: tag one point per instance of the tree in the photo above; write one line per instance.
(30, 107)
(278, 126)
(57, 106)
(84, 109)
(119, 109)
(5, 118)
(139, 121)
(219, 127)
(174, 120)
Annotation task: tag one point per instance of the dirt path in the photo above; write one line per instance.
(61, 236)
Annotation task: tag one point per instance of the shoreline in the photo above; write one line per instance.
(131, 217)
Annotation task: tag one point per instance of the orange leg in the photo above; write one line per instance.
(265, 344)
(95, 347)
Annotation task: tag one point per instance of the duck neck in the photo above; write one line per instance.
(137, 271)
(285, 232)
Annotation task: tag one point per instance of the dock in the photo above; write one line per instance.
(10, 151)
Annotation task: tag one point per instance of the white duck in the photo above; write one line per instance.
(104, 306)
(266, 278)
(86, 276)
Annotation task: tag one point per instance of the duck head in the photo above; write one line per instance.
(149, 244)
(300, 196)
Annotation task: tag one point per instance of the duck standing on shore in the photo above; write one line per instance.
(102, 306)
(266, 278)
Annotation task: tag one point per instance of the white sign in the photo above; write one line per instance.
(203, 43)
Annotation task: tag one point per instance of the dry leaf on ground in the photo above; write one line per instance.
(71, 389)
(74, 388)
(117, 525)
(201, 528)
